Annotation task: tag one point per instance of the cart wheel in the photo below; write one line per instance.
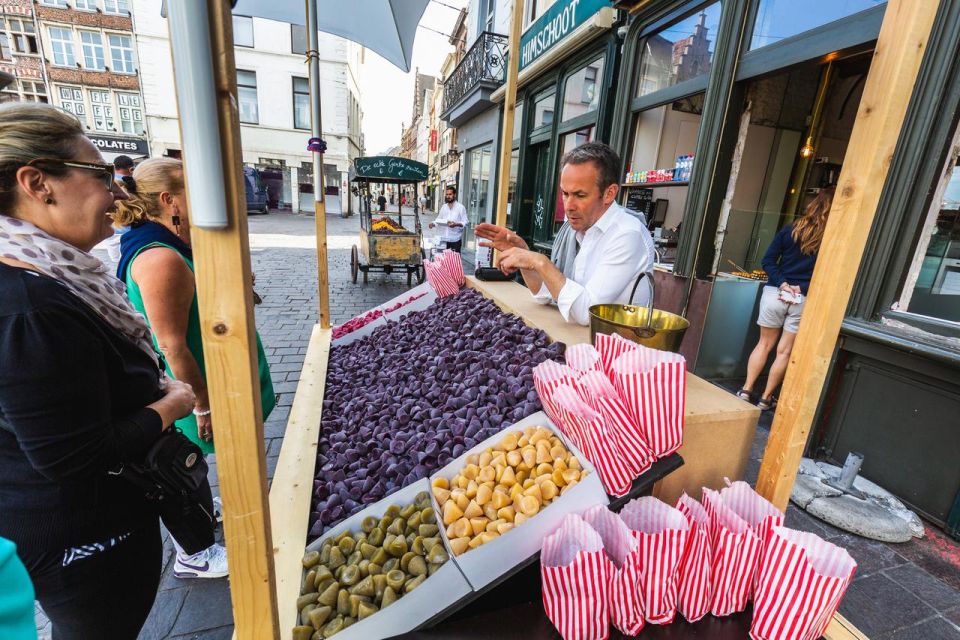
(355, 265)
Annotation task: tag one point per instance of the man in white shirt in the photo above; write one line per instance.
(451, 220)
(607, 252)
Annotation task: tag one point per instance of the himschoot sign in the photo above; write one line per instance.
(559, 21)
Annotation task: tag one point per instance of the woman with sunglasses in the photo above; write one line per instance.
(81, 390)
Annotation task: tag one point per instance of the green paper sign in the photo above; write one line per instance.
(559, 21)
(388, 168)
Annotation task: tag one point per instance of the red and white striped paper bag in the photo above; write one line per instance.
(626, 609)
(589, 431)
(547, 376)
(661, 532)
(453, 265)
(755, 510)
(693, 598)
(583, 357)
(439, 279)
(610, 347)
(600, 394)
(653, 386)
(736, 555)
(802, 580)
(575, 573)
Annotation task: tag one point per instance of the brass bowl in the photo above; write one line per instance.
(630, 322)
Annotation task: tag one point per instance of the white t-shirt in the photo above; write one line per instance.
(454, 212)
(613, 252)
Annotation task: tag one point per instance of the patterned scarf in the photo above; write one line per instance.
(80, 272)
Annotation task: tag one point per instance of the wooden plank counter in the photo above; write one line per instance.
(719, 427)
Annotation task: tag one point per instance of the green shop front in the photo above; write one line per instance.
(731, 116)
(569, 64)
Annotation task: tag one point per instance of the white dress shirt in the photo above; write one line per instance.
(613, 252)
(451, 212)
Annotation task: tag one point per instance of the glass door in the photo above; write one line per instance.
(478, 188)
(542, 205)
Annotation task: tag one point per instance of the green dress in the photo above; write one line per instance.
(189, 424)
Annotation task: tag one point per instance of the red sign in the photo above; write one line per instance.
(433, 139)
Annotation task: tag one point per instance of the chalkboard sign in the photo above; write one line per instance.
(389, 169)
(639, 199)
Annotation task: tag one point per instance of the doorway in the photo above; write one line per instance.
(542, 209)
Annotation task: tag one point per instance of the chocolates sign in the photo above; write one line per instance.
(112, 144)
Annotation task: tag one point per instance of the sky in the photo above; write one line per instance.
(387, 92)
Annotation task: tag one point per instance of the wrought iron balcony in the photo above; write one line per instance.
(480, 72)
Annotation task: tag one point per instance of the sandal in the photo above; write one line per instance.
(765, 404)
(745, 395)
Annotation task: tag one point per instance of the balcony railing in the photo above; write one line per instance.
(484, 62)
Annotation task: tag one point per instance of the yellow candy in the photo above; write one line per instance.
(529, 505)
(473, 510)
(442, 495)
(500, 499)
(451, 512)
(459, 545)
(462, 501)
(441, 482)
(484, 494)
(485, 458)
(487, 474)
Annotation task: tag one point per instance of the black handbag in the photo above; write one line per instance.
(173, 476)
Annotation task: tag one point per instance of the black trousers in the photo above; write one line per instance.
(106, 596)
(455, 246)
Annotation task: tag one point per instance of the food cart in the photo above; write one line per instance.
(267, 541)
(385, 244)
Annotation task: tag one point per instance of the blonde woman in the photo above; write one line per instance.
(81, 392)
(156, 264)
(789, 263)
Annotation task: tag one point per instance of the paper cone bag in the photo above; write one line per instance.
(661, 532)
(736, 555)
(583, 358)
(695, 590)
(575, 573)
(755, 510)
(802, 580)
(441, 282)
(599, 392)
(623, 551)
(547, 376)
(653, 386)
(453, 266)
(610, 347)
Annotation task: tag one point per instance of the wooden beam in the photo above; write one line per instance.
(889, 86)
(509, 108)
(292, 486)
(316, 130)
(229, 348)
(841, 629)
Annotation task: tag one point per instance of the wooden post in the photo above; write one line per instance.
(316, 130)
(893, 73)
(509, 107)
(229, 348)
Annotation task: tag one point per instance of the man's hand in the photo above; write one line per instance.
(451, 224)
(517, 259)
(499, 238)
(431, 226)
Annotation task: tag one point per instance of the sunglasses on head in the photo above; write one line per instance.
(106, 171)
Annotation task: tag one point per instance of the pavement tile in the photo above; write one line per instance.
(223, 633)
(207, 606)
(163, 615)
(877, 605)
(871, 556)
(921, 584)
(933, 629)
(953, 615)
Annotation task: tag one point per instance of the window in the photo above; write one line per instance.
(779, 19)
(298, 38)
(23, 35)
(131, 113)
(101, 106)
(538, 8)
(33, 91)
(5, 53)
(92, 50)
(517, 119)
(55, 3)
(543, 110)
(247, 96)
(242, 31)
(118, 7)
(478, 186)
(71, 101)
(85, 5)
(9, 93)
(568, 143)
(679, 52)
(933, 283)
(301, 103)
(581, 93)
(61, 41)
(485, 14)
(121, 54)
(512, 188)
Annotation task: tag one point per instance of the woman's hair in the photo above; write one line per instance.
(151, 178)
(808, 230)
(28, 131)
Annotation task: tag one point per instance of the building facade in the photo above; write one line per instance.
(274, 104)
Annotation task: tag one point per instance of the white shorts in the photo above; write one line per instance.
(776, 314)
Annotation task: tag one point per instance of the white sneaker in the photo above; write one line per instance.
(218, 509)
(209, 563)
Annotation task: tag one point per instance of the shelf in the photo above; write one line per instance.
(650, 185)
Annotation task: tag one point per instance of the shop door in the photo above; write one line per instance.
(478, 186)
(542, 195)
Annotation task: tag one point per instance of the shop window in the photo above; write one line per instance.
(581, 93)
(517, 119)
(92, 43)
(131, 113)
(116, 7)
(512, 187)
(298, 38)
(101, 106)
(679, 52)
(568, 143)
(478, 188)
(933, 283)
(23, 36)
(61, 41)
(242, 31)
(121, 54)
(71, 101)
(301, 103)
(247, 96)
(779, 19)
(543, 109)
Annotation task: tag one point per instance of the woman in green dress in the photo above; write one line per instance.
(156, 263)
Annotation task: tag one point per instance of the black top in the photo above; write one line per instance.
(784, 262)
(73, 393)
